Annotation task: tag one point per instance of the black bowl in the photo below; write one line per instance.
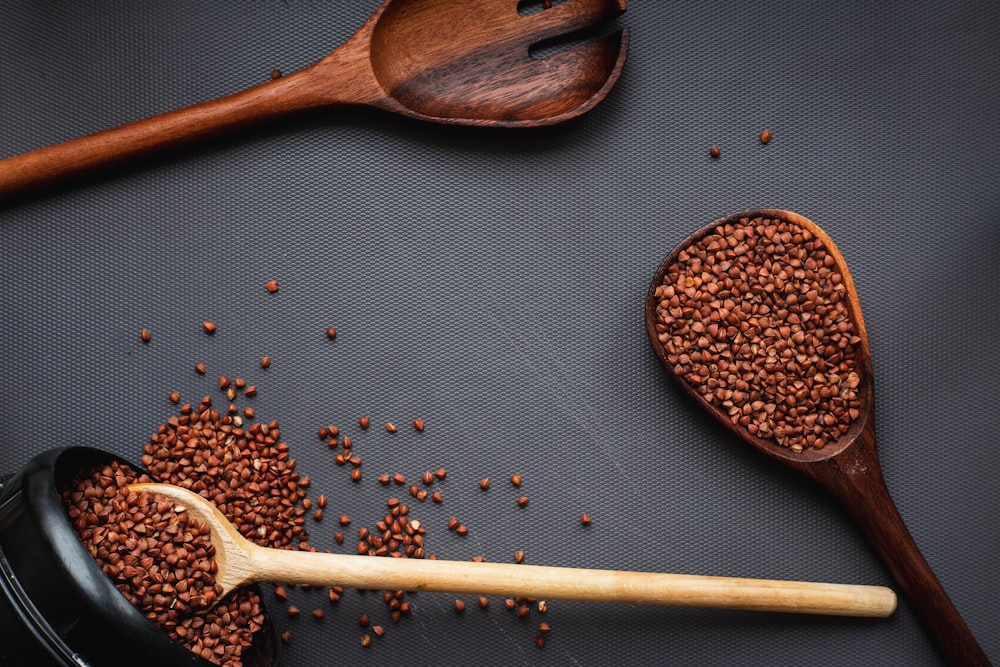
(56, 605)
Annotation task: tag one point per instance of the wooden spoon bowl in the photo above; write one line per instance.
(849, 466)
(459, 62)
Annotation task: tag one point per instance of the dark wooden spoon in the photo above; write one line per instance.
(463, 62)
(849, 467)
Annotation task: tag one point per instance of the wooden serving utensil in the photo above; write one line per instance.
(463, 62)
(241, 562)
(849, 467)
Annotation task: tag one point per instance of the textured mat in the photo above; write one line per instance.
(492, 283)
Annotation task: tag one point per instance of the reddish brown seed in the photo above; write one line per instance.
(522, 501)
(478, 559)
(356, 475)
(363, 620)
(331, 333)
(209, 327)
(251, 390)
(286, 637)
(344, 520)
(293, 610)
(765, 136)
(484, 483)
(483, 602)
(145, 336)
(437, 497)
(318, 515)
(200, 368)
(714, 152)
(390, 427)
(265, 362)
(427, 478)
(272, 285)
(366, 640)
(459, 606)
(318, 613)
(321, 501)
(249, 412)
(175, 397)
(378, 630)
(523, 610)
(515, 479)
(384, 479)
(510, 604)
(544, 627)
(540, 641)
(399, 478)
(453, 523)
(518, 556)
(462, 530)
(280, 593)
(338, 537)
(365, 422)
(585, 519)
(418, 424)
(440, 473)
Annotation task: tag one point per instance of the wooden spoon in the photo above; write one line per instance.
(461, 62)
(241, 562)
(849, 467)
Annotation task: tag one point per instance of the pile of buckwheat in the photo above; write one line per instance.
(753, 316)
(161, 561)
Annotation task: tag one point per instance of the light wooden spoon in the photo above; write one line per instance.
(241, 562)
(463, 62)
(849, 467)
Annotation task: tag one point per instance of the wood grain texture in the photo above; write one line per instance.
(241, 562)
(463, 62)
(848, 468)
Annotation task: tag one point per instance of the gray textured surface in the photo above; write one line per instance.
(492, 283)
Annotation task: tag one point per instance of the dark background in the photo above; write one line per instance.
(492, 283)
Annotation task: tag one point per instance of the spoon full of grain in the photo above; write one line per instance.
(757, 317)
(463, 62)
(240, 562)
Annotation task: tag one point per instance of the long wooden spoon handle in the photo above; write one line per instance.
(864, 493)
(44, 166)
(510, 580)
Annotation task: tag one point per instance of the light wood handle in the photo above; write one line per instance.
(510, 580)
